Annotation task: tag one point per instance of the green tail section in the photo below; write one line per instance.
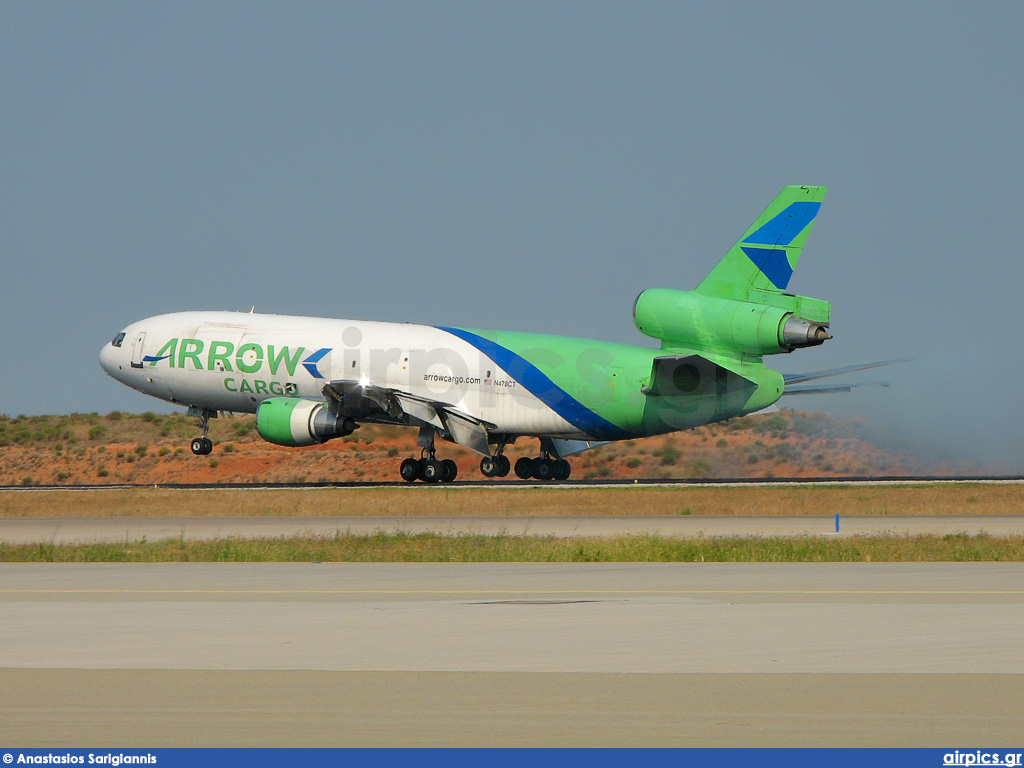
(759, 266)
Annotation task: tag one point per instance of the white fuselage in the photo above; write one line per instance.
(232, 361)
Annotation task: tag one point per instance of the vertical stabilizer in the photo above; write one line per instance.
(763, 260)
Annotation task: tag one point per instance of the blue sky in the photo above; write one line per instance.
(530, 166)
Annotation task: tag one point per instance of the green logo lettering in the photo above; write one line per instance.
(290, 362)
(222, 356)
(190, 349)
(255, 354)
(167, 351)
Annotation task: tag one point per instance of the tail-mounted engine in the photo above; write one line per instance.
(696, 321)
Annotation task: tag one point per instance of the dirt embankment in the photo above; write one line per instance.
(150, 448)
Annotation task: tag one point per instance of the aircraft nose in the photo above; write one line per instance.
(108, 359)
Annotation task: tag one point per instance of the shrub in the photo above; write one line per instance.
(700, 468)
(669, 455)
(229, 447)
(633, 462)
(95, 433)
(213, 463)
(141, 450)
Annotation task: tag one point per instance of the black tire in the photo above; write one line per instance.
(410, 470)
(450, 470)
(543, 469)
(524, 468)
(562, 469)
(504, 466)
(488, 466)
(199, 446)
(431, 471)
(208, 449)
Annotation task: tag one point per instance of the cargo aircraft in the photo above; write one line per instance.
(309, 380)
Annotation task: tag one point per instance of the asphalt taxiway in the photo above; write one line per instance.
(57, 530)
(664, 654)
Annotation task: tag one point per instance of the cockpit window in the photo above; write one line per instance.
(117, 340)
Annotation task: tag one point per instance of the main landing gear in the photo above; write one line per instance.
(202, 446)
(427, 468)
(544, 467)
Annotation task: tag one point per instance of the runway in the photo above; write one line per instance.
(121, 529)
(512, 654)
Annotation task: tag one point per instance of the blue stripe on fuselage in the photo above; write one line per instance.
(531, 378)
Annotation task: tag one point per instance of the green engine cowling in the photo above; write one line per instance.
(294, 421)
(696, 321)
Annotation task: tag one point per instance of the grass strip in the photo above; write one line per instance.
(432, 548)
(538, 501)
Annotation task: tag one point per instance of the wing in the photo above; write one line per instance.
(798, 378)
(794, 380)
(369, 402)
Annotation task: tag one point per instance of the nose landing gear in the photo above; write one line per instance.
(202, 446)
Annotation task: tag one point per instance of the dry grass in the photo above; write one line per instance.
(532, 549)
(418, 500)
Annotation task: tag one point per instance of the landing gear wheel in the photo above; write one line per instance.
(449, 470)
(430, 470)
(410, 470)
(489, 466)
(504, 466)
(202, 446)
(543, 469)
(562, 470)
(524, 468)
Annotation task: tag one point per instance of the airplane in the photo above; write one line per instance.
(309, 380)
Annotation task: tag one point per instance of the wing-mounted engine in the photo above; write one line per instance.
(295, 421)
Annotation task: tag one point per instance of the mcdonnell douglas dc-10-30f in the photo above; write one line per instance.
(309, 380)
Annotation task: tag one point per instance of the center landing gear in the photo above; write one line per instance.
(495, 466)
(202, 446)
(543, 468)
(427, 468)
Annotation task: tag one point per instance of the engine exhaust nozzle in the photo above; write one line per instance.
(800, 332)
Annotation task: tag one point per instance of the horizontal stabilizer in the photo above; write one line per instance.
(693, 376)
